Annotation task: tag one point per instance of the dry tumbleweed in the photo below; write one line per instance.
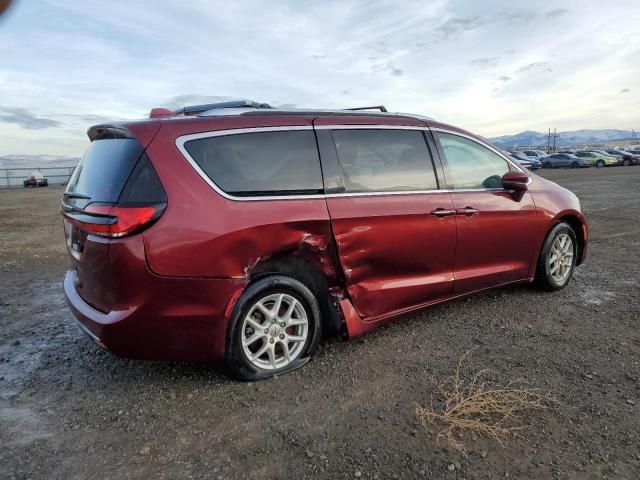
(475, 405)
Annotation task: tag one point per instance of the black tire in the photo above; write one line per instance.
(600, 164)
(238, 365)
(546, 164)
(626, 162)
(575, 165)
(544, 279)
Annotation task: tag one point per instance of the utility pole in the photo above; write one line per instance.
(549, 142)
(555, 135)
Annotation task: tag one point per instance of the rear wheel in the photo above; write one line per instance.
(274, 329)
(558, 258)
(600, 164)
(575, 165)
(546, 164)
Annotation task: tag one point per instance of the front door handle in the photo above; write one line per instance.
(442, 212)
(466, 211)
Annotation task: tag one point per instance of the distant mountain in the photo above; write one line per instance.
(21, 161)
(577, 137)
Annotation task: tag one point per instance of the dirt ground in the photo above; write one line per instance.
(71, 410)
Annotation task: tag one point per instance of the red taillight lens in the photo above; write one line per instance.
(115, 221)
(131, 219)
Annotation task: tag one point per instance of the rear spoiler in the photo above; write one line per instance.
(100, 132)
(141, 130)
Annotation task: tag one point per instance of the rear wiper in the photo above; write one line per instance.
(76, 195)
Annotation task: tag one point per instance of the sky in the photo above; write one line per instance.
(492, 67)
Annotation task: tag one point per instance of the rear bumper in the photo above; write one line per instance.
(182, 319)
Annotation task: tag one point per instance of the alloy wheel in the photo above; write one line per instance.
(560, 258)
(274, 331)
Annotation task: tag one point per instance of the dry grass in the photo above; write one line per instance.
(474, 405)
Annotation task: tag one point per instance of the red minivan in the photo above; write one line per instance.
(243, 233)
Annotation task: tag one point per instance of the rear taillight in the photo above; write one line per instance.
(140, 203)
(115, 221)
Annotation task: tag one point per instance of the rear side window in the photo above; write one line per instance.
(143, 185)
(104, 169)
(261, 163)
(375, 160)
(471, 166)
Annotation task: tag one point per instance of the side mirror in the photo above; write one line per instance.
(515, 180)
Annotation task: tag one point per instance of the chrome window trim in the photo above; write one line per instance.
(181, 140)
(412, 192)
(487, 146)
(371, 127)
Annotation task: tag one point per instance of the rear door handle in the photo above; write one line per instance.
(466, 211)
(443, 212)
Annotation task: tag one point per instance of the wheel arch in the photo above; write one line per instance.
(314, 274)
(579, 227)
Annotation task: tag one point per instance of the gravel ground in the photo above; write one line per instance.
(70, 410)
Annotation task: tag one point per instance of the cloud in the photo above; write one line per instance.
(524, 16)
(317, 56)
(457, 25)
(485, 62)
(531, 66)
(625, 90)
(94, 119)
(387, 66)
(26, 119)
(556, 12)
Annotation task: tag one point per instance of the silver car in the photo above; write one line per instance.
(558, 160)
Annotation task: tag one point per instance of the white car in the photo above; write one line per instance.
(522, 159)
(537, 154)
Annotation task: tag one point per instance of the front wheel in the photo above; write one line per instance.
(575, 165)
(546, 164)
(558, 258)
(600, 164)
(626, 162)
(274, 329)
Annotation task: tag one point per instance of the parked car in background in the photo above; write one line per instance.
(521, 161)
(628, 158)
(525, 161)
(242, 233)
(558, 160)
(535, 163)
(598, 160)
(618, 158)
(537, 154)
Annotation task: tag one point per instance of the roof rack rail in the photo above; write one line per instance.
(195, 109)
(382, 108)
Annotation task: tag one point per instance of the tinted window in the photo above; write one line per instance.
(377, 160)
(261, 163)
(470, 164)
(143, 184)
(104, 169)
